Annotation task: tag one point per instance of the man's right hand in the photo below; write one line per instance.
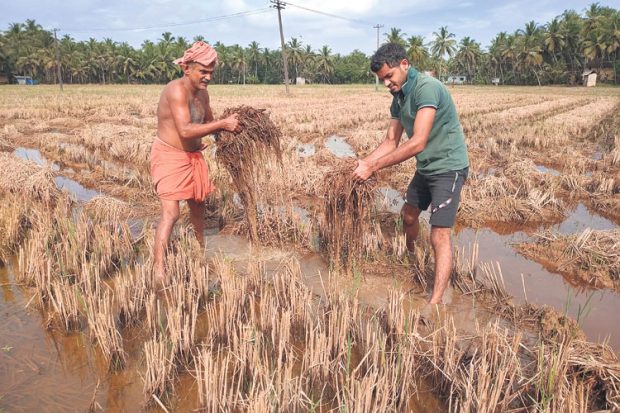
(231, 123)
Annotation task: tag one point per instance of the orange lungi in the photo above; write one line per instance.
(177, 174)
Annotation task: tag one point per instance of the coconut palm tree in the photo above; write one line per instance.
(496, 53)
(469, 54)
(325, 63)
(553, 38)
(416, 51)
(294, 54)
(309, 63)
(238, 62)
(395, 36)
(254, 56)
(443, 43)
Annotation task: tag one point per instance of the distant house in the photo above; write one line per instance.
(495, 81)
(589, 78)
(24, 80)
(456, 80)
(300, 80)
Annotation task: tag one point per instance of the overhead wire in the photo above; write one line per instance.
(163, 26)
(336, 16)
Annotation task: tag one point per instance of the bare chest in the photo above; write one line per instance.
(196, 110)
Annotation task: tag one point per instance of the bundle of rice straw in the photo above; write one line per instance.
(347, 206)
(244, 153)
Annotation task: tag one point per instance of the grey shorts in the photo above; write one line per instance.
(442, 192)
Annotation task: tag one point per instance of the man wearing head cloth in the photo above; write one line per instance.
(178, 169)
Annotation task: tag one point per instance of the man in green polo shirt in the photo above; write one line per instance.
(423, 108)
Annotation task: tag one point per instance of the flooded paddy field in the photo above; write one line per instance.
(273, 325)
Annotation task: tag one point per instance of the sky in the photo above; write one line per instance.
(134, 21)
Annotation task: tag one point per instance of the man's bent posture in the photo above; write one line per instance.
(422, 107)
(178, 169)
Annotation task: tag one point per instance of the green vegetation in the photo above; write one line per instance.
(553, 53)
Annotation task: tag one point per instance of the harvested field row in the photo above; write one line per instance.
(592, 256)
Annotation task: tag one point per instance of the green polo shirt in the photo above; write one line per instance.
(445, 149)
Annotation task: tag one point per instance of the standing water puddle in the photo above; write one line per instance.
(550, 171)
(339, 147)
(77, 190)
(580, 219)
(35, 156)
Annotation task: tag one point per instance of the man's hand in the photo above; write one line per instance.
(363, 171)
(231, 123)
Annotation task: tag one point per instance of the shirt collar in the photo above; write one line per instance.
(409, 83)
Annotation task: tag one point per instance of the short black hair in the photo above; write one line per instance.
(390, 54)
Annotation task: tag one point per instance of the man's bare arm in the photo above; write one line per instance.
(182, 120)
(421, 130)
(391, 141)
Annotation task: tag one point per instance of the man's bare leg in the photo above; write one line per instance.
(411, 224)
(169, 216)
(442, 247)
(197, 218)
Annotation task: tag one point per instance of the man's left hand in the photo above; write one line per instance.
(363, 171)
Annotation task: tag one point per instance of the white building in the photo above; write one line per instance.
(456, 79)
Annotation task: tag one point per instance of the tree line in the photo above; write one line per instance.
(553, 53)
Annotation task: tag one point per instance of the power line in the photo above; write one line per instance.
(336, 16)
(163, 26)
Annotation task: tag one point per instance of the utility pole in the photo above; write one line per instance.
(58, 71)
(377, 26)
(278, 4)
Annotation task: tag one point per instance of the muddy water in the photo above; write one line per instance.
(598, 311)
(42, 370)
(581, 218)
(39, 371)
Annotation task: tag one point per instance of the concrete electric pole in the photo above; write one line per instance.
(377, 26)
(278, 4)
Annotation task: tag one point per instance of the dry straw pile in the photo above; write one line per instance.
(244, 153)
(26, 177)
